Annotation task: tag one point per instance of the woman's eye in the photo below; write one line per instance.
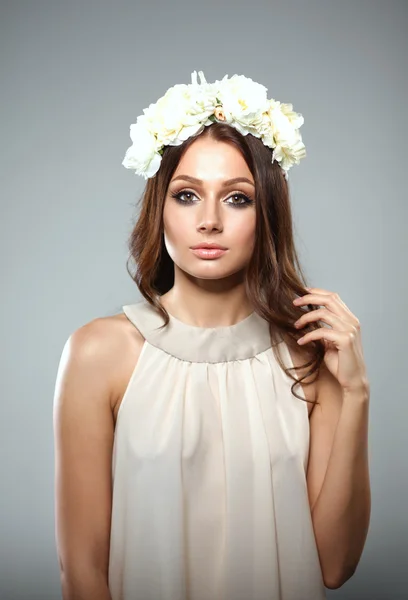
(178, 196)
(244, 200)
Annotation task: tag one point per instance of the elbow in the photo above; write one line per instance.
(332, 584)
(335, 581)
(85, 584)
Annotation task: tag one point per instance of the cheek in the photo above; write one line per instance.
(177, 232)
(177, 226)
(244, 234)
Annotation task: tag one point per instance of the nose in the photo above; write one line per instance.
(210, 216)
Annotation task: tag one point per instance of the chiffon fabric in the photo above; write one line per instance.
(209, 469)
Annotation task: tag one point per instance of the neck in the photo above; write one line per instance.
(205, 308)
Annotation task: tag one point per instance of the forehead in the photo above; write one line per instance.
(211, 159)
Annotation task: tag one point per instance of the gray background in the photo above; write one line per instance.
(74, 75)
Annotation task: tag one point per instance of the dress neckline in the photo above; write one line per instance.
(179, 323)
(244, 339)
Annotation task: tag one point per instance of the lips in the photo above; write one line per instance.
(209, 246)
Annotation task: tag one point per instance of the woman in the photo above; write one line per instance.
(187, 467)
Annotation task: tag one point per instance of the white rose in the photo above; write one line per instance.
(289, 154)
(181, 112)
(279, 132)
(296, 119)
(204, 94)
(142, 155)
(243, 102)
(282, 128)
(164, 118)
(195, 105)
(266, 130)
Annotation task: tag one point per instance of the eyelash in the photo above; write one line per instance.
(248, 200)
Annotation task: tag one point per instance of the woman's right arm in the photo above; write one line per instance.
(83, 438)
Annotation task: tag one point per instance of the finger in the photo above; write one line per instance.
(324, 333)
(328, 293)
(325, 316)
(325, 300)
(316, 290)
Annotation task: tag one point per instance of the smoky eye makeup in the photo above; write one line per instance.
(240, 200)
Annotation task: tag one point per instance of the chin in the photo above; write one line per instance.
(211, 269)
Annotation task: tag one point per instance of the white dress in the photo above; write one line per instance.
(209, 469)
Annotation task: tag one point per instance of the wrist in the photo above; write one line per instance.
(359, 393)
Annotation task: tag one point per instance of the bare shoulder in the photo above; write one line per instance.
(95, 361)
(300, 356)
(115, 345)
(129, 346)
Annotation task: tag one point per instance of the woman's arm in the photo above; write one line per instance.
(338, 478)
(83, 434)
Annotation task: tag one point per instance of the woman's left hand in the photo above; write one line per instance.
(344, 351)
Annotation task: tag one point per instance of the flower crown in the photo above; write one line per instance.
(185, 110)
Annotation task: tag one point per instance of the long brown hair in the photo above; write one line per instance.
(273, 276)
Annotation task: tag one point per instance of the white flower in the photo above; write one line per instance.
(243, 102)
(181, 112)
(280, 132)
(289, 154)
(282, 128)
(296, 119)
(142, 155)
(185, 110)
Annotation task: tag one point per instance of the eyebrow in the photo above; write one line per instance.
(224, 184)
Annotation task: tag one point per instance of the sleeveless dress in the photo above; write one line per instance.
(209, 467)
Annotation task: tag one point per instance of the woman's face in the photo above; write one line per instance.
(213, 210)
